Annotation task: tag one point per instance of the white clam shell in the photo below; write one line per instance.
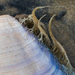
(20, 54)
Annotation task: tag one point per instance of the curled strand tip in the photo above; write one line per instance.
(42, 17)
(50, 31)
(39, 8)
(35, 20)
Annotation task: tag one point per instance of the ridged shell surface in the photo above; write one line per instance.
(21, 53)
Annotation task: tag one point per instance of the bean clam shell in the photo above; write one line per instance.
(21, 53)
